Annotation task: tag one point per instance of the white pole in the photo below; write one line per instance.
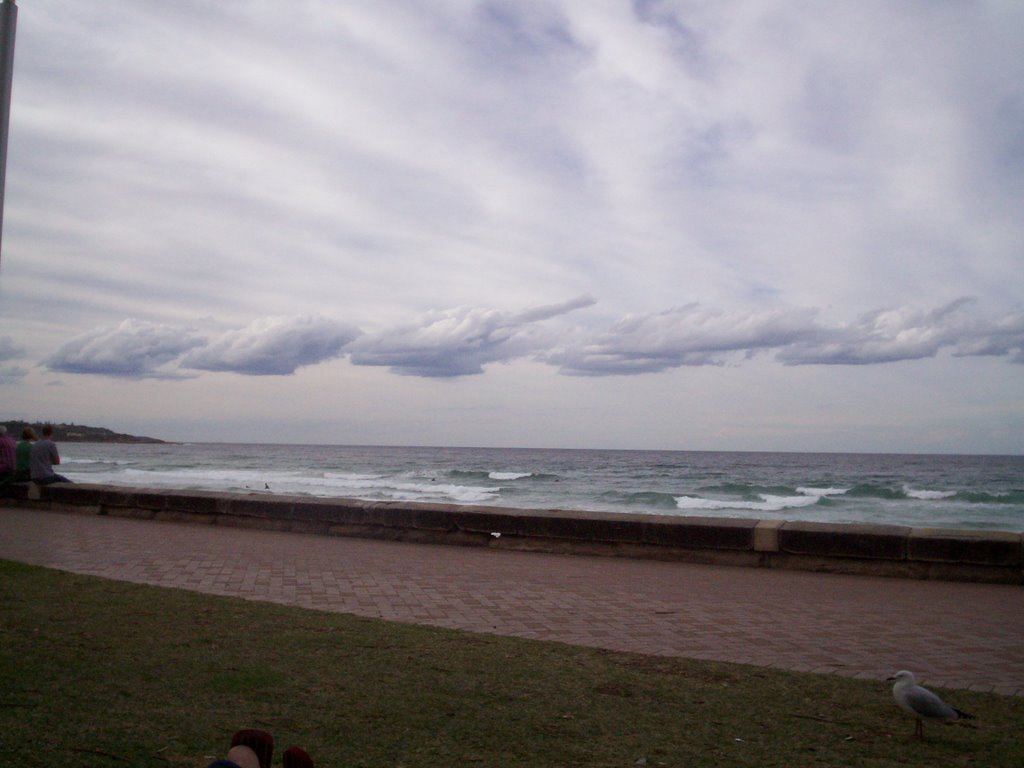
(8, 25)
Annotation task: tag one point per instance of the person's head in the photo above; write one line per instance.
(3, 430)
(28, 434)
(47, 430)
(243, 757)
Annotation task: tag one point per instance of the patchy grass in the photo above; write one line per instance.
(102, 673)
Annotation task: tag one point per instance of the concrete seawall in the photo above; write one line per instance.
(882, 550)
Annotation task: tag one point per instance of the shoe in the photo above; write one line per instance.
(294, 757)
(260, 742)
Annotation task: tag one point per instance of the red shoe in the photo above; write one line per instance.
(260, 742)
(294, 757)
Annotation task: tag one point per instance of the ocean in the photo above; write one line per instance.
(979, 492)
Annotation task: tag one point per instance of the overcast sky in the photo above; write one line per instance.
(740, 224)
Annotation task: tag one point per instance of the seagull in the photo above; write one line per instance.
(922, 703)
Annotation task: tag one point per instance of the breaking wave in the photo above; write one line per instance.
(766, 503)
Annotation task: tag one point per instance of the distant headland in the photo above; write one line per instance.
(76, 433)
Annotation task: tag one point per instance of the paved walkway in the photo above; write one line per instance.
(949, 634)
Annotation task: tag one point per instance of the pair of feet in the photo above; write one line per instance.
(252, 748)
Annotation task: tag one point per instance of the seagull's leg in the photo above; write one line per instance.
(919, 728)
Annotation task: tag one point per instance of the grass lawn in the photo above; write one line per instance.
(102, 673)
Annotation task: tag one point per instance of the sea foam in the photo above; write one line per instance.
(822, 491)
(768, 503)
(929, 495)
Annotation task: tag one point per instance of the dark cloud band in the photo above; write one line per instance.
(462, 341)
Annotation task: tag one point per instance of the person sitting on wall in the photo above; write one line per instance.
(23, 456)
(44, 456)
(8, 461)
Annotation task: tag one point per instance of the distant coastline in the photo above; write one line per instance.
(76, 433)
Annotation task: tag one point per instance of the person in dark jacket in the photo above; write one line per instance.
(23, 456)
(8, 462)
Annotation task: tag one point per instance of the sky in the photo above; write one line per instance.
(728, 225)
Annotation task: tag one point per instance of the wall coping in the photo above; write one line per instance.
(884, 550)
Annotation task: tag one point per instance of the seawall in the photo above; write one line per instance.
(881, 550)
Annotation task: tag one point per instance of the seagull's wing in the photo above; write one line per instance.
(927, 704)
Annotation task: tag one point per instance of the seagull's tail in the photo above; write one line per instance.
(962, 715)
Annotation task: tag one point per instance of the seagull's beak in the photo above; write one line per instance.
(890, 679)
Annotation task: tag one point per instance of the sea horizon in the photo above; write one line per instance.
(427, 446)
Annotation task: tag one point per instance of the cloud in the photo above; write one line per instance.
(689, 335)
(132, 349)
(274, 346)
(12, 374)
(695, 335)
(9, 349)
(459, 342)
(1004, 337)
(905, 333)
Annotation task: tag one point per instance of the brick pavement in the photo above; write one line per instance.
(950, 634)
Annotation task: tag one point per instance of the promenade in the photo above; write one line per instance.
(951, 634)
